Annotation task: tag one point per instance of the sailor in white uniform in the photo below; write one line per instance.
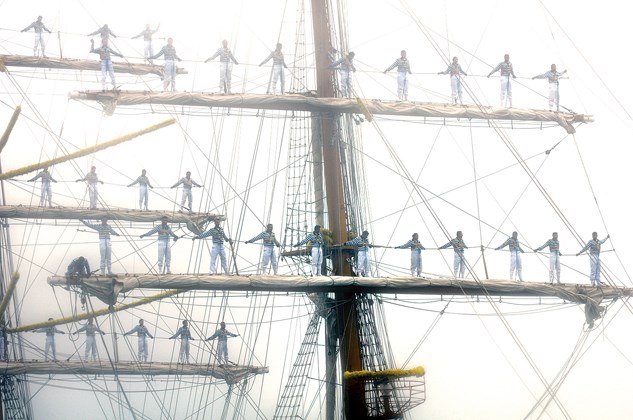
(93, 193)
(218, 236)
(416, 254)
(554, 257)
(46, 193)
(404, 69)
(39, 28)
(362, 253)
(222, 335)
(185, 336)
(142, 333)
(316, 239)
(187, 185)
(594, 258)
(459, 263)
(278, 68)
(226, 56)
(505, 70)
(50, 340)
(105, 247)
(91, 343)
(552, 77)
(147, 33)
(169, 71)
(268, 255)
(456, 72)
(143, 184)
(346, 67)
(164, 250)
(515, 254)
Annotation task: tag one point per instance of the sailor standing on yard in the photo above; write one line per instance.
(169, 71)
(92, 179)
(554, 257)
(505, 70)
(105, 247)
(142, 333)
(268, 254)
(594, 258)
(185, 335)
(50, 340)
(416, 254)
(46, 193)
(346, 68)
(164, 250)
(104, 31)
(459, 263)
(106, 62)
(278, 68)
(455, 70)
(404, 69)
(147, 33)
(91, 343)
(225, 66)
(222, 334)
(362, 250)
(515, 258)
(143, 183)
(552, 77)
(187, 184)
(316, 238)
(218, 236)
(38, 26)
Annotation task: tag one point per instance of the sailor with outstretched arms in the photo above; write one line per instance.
(185, 336)
(105, 53)
(456, 73)
(39, 28)
(554, 257)
(362, 253)
(505, 70)
(593, 246)
(147, 33)
(187, 185)
(105, 247)
(93, 180)
(416, 254)
(346, 67)
(217, 250)
(459, 263)
(50, 340)
(404, 69)
(222, 334)
(142, 333)
(143, 184)
(278, 68)
(169, 71)
(552, 77)
(515, 254)
(164, 250)
(226, 56)
(46, 193)
(91, 343)
(268, 254)
(316, 239)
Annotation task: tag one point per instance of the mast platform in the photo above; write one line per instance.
(308, 102)
(231, 374)
(124, 283)
(75, 64)
(110, 213)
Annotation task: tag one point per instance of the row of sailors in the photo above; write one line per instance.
(316, 240)
(142, 333)
(345, 65)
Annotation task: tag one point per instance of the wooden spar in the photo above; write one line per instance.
(76, 64)
(8, 294)
(86, 151)
(93, 314)
(14, 118)
(230, 374)
(327, 104)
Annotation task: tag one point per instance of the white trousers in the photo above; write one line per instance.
(403, 86)
(554, 96)
(46, 194)
(459, 265)
(148, 51)
(317, 260)
(416, 263)
(456, 89)
(164, 254)
(169, 75)
(218, 250)
(515, 264)
(268, 257)
(143, 196)
(223, 352)
(183, 356)
(186, 196)
(93, 195)
(50, 347)
(91, 347)
(594, 268)
(225, 76)
(106, 68)
(362, 263)
(39, 41)
(278, 74)
(105, 249)
(506, 90)
(346, 83)
(142, 348)
(554, 267)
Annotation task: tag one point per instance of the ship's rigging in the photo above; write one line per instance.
(220, 173)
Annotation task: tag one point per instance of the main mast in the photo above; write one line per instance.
(346, 327)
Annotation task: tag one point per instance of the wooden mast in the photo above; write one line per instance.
(346, 327)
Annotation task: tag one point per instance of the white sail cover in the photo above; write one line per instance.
(309, 103)
(75, 64)
(230, 374)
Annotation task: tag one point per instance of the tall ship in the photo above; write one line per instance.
(388, 220)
